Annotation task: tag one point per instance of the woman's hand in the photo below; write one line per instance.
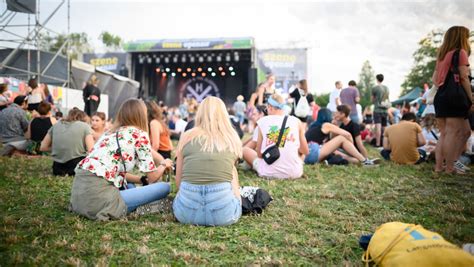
(167, 163)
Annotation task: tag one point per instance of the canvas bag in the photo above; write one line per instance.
(431, 94)
(401, 244)
(302, 109)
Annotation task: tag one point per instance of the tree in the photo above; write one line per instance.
(111, 41)
(321, 100)
(78, 44)
(425, 62)
(366, 83)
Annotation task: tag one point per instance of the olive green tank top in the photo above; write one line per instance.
(202, 168)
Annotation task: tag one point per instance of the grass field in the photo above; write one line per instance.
(316, 220)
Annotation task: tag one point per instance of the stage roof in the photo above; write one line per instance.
(189, 44)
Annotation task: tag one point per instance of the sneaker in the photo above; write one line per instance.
(458, 165)
(368, 163)
(376, 160)
(163, 205)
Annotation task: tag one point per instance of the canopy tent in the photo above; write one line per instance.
(412, 95)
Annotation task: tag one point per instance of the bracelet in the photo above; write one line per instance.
(144, 180)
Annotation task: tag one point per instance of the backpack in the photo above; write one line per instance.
(302, 109)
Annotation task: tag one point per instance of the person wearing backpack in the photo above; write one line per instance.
(380, 94)
(303, 101)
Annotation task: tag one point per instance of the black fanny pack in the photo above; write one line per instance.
(272, 153)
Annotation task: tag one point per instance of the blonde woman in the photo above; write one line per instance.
(91, 96)
(95, 190)
(206, 177)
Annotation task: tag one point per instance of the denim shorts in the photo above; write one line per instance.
(313, 155)
(209, 205)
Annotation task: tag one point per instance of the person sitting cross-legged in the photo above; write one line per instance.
(401, 141)
(13, 125)
(206, 177)
(322, 146)
(293, 143)
(342, 116)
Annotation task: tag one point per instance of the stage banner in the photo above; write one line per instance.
(178, 44)
(113, 62)
(288, 65)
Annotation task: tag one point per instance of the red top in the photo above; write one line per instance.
(442, 67)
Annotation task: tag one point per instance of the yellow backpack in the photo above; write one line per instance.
(401, 244)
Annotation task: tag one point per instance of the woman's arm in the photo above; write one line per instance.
(155, 131)
(259, 143)
(329, 128)
(89, 140)
(235, 184)
(303, 149)
(179, 168)
(46, 143)
(260, 93)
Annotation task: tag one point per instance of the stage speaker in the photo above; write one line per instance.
(252, 81)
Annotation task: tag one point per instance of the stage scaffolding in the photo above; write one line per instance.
(35, 29)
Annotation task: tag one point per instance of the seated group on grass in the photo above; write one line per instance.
(105, 160)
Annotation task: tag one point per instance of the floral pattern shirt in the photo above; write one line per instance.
(105, 161)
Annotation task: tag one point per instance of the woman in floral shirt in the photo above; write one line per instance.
(95, 190)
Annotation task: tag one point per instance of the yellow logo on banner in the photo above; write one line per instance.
(104, 61)
(172, 45)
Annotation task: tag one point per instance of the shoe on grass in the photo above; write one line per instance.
(163, 205)
(368, 163)
(458, 165)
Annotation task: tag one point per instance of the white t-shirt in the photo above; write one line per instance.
(180, 125)
(332, 105)
(289, 165)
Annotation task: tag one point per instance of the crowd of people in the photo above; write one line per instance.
(107, 159)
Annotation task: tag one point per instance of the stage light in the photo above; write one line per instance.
(178, 69)
(219, 58)
(209, 59)
(231, 68)
(167, 69)
(191, 59)
(140, 59)
(163, 74)
(149, 60)
(227, 57)
(232, 74)
(184, 74)
(236, 56)
(157, 60)
(220, 68)
(193, 74)
(188, 69)
(167, 60)
(199, 69)
(183, 59)
(203, 74)
(213, 74)
(223, 73)
(201, 59)
(209, 69)
(173, 74)
(158, 69)
(175, 60)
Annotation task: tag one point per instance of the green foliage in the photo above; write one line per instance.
(322, 100)
(366, 83)
(79, 43)
(110, 40)
(313, 221)
(424, 62)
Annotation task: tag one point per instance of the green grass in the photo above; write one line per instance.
(316, 220)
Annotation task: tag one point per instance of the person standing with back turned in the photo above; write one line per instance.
(91, 96)
(380, 94)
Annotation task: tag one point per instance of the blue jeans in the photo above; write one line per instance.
(386, 155)
(137, 196)
(354, 118)
(210, 205)
(313, 156)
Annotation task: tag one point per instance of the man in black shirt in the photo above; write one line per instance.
(342, 116)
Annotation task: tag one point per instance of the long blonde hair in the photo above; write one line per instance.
(132, 113)
(457, 37)
(213, 128)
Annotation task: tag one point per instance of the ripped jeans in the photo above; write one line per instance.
(209, 205)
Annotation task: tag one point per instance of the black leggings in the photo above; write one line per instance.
(66, 168)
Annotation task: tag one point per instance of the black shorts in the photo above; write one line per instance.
(165, 154)
(380, 118)
(67, 168)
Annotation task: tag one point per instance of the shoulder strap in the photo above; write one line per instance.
(455, 62)
(434, 134)
(119, 151)
(281, 131)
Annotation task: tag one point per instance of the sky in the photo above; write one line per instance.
(339, 35)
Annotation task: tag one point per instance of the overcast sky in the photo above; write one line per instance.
(340, 35)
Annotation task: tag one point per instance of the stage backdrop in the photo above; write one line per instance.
(113, 62)
(288, 65)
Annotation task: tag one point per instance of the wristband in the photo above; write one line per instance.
(144, 180)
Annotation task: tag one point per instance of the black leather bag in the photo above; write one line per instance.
(272, 154)
(452, 92)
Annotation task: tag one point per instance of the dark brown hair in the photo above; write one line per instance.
(44, 108)
(344, 109)
(76, 114)
(99, 114)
